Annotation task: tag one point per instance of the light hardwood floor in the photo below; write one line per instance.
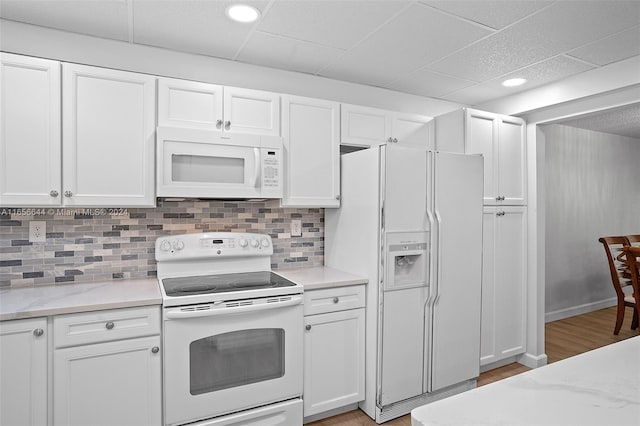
(563, 339)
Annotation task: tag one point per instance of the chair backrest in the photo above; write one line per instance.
(634, 240)
(613, 247)
(632, 254)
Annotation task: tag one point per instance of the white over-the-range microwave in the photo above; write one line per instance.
(194, 163)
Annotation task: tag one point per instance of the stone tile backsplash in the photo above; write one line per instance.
(84, 245)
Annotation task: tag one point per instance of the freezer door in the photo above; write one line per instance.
(455, 303)
(404, 186)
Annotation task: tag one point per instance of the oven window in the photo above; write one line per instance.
(235, 359)
(198, 168)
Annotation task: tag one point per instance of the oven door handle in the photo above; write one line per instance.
(181, 313)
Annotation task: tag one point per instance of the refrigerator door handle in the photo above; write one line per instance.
(438, 261)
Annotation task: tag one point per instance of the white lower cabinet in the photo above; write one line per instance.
(333, 349)
(23, 372)
(105, 379)
(503, 283)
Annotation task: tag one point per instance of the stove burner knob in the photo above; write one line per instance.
(264, 242)
(243, 242)
(254, 243)
(165, 246)
(178, 245)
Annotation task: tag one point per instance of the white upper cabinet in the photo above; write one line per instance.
(364, 126)
(500, 139)
(108, 137)
(30, 166)
(311, 137)
(251, 111)
(184, 103)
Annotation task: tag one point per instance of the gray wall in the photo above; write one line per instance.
(592, 190)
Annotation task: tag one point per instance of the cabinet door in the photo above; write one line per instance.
(115, 383)
(310, 129)
(333, 360)
(251, 111)
(186, 103)
(504, 283)
(481, 138)
(413, 130)
(363, 126)
(511, 161)
(30, 173)
(108, 137)
(23, 369)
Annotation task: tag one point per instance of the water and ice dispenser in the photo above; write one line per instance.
(407, 260)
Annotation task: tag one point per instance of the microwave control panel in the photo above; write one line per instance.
(271, 168)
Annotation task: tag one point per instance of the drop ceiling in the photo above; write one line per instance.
(622, 121)
(458, 51)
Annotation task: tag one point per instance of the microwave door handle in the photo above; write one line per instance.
(256, 158)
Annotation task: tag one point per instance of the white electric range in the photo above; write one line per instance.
(232, 332)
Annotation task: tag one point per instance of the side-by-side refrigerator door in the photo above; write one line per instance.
(454, 307)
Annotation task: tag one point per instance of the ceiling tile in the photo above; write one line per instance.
(419, 35)
(623, 121)
(494, 14)
(557, 29)
(611, 49)
(537, 75)
(339, 24)
(426, 83)
(190, 26)
(285, 53)
(100, 18)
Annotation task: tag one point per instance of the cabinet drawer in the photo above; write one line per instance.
(103, 326)
(333, 299)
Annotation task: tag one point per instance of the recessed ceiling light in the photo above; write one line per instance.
(513, 82)
(243, 13)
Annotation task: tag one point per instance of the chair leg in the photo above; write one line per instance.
(619, 317)
(634, 321)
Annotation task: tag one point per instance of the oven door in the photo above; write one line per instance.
(204, 164)
(221, 358)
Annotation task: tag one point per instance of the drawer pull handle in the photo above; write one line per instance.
(109, 325)
(38, 332)
(307, 327)
(155, 349)
(336, 300)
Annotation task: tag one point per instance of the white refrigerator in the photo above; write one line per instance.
(410, 221)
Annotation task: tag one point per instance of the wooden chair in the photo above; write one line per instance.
(632, 255)
(634, 240)
(620, 277)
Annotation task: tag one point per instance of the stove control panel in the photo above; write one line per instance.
(213, 245)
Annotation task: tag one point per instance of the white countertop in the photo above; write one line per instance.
(600, 387)
(320, 277)
(40, 301)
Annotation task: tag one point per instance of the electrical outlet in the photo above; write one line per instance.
(296, 228)
(37, 231)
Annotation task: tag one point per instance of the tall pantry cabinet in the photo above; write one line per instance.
(501, 141)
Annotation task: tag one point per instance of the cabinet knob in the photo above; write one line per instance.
(395, 140)
(336, 300)
(109, 325)
(227, 124)
(218, 124)
(68, 194)
(500, 214)
(307, 327)
(338, 197)
(390, 140)
(155, 349)
(38, 332)
(53, 193)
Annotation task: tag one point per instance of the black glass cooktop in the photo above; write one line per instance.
(223, 283)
